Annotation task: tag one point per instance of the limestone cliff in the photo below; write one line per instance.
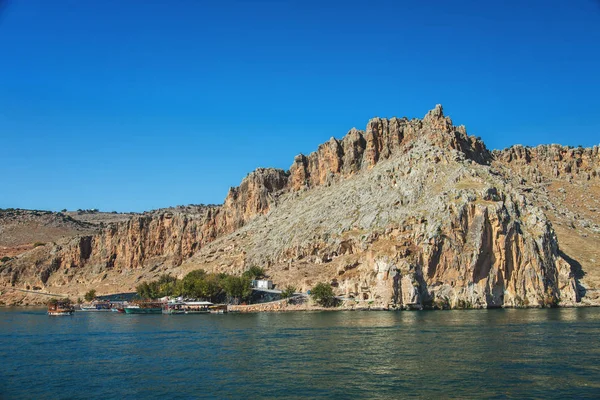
(565, 183)
(408, 213)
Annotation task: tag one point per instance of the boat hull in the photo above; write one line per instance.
(151, 310)
(69, 312)
(173, 312)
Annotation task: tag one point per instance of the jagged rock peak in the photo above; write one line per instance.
(436, 113)
(381, 139)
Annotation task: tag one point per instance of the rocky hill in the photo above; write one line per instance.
(408, 213)
(22, 230)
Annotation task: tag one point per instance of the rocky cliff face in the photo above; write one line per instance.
(408, 213)
(565, 183)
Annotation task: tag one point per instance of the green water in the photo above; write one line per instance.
(551, 353)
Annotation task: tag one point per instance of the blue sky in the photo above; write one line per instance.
(133, 105)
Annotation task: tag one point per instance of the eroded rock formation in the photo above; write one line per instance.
(408, 213)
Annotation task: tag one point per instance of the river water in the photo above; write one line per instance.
(538, 353)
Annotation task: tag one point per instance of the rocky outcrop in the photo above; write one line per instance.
(553, 161)
(254, 196)
(382, 139)
(407, 213)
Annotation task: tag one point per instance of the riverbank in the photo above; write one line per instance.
(23, 298)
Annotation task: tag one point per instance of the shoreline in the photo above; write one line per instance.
(270, 308)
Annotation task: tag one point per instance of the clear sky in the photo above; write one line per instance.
(132, 105)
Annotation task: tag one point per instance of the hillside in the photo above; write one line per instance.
(21, 229)
(408, 213)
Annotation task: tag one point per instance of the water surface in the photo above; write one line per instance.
(550, 353)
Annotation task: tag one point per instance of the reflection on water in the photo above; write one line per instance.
(465, 354)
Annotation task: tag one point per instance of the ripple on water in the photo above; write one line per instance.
(465, 354)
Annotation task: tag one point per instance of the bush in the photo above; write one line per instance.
(288, 292)
(322, 293)
(5, 259)
(254, 272)
(38, 244)
(90, 295)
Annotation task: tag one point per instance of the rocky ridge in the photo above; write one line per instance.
(408, 213)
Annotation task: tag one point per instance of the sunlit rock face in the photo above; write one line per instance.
(405, 214)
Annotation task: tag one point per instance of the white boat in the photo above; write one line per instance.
(197, 307)
(96, 306)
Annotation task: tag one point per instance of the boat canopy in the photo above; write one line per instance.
(198, 303)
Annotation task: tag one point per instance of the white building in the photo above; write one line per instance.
(262, 284)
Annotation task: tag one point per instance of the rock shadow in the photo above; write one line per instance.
(577, 271)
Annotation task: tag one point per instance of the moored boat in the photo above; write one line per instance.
(218, 309)
(197, 307)
(173, 308)
(60, 307)
(97, 305)
(118, 306)
(144, 308)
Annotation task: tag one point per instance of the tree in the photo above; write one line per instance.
(237, 287)
(288, 292)
(147, 290)
(90, 295)
(213, 286)
(167, 286)
(322, 293)
(254, 272)
(192, 283)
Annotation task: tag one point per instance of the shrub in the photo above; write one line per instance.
(5, 259)
(288, 292)
(254, 272)
(322, 293)
(38, 244)
(90, 295)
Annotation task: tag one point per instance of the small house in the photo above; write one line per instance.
(262, 284)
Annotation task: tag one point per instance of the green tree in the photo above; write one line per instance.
(288, 292)
(194, 283)
(237, 287)
(213, 286)
(322, 293)
(254, 272)
(147, 290)
(90, 295)
(167, 286)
